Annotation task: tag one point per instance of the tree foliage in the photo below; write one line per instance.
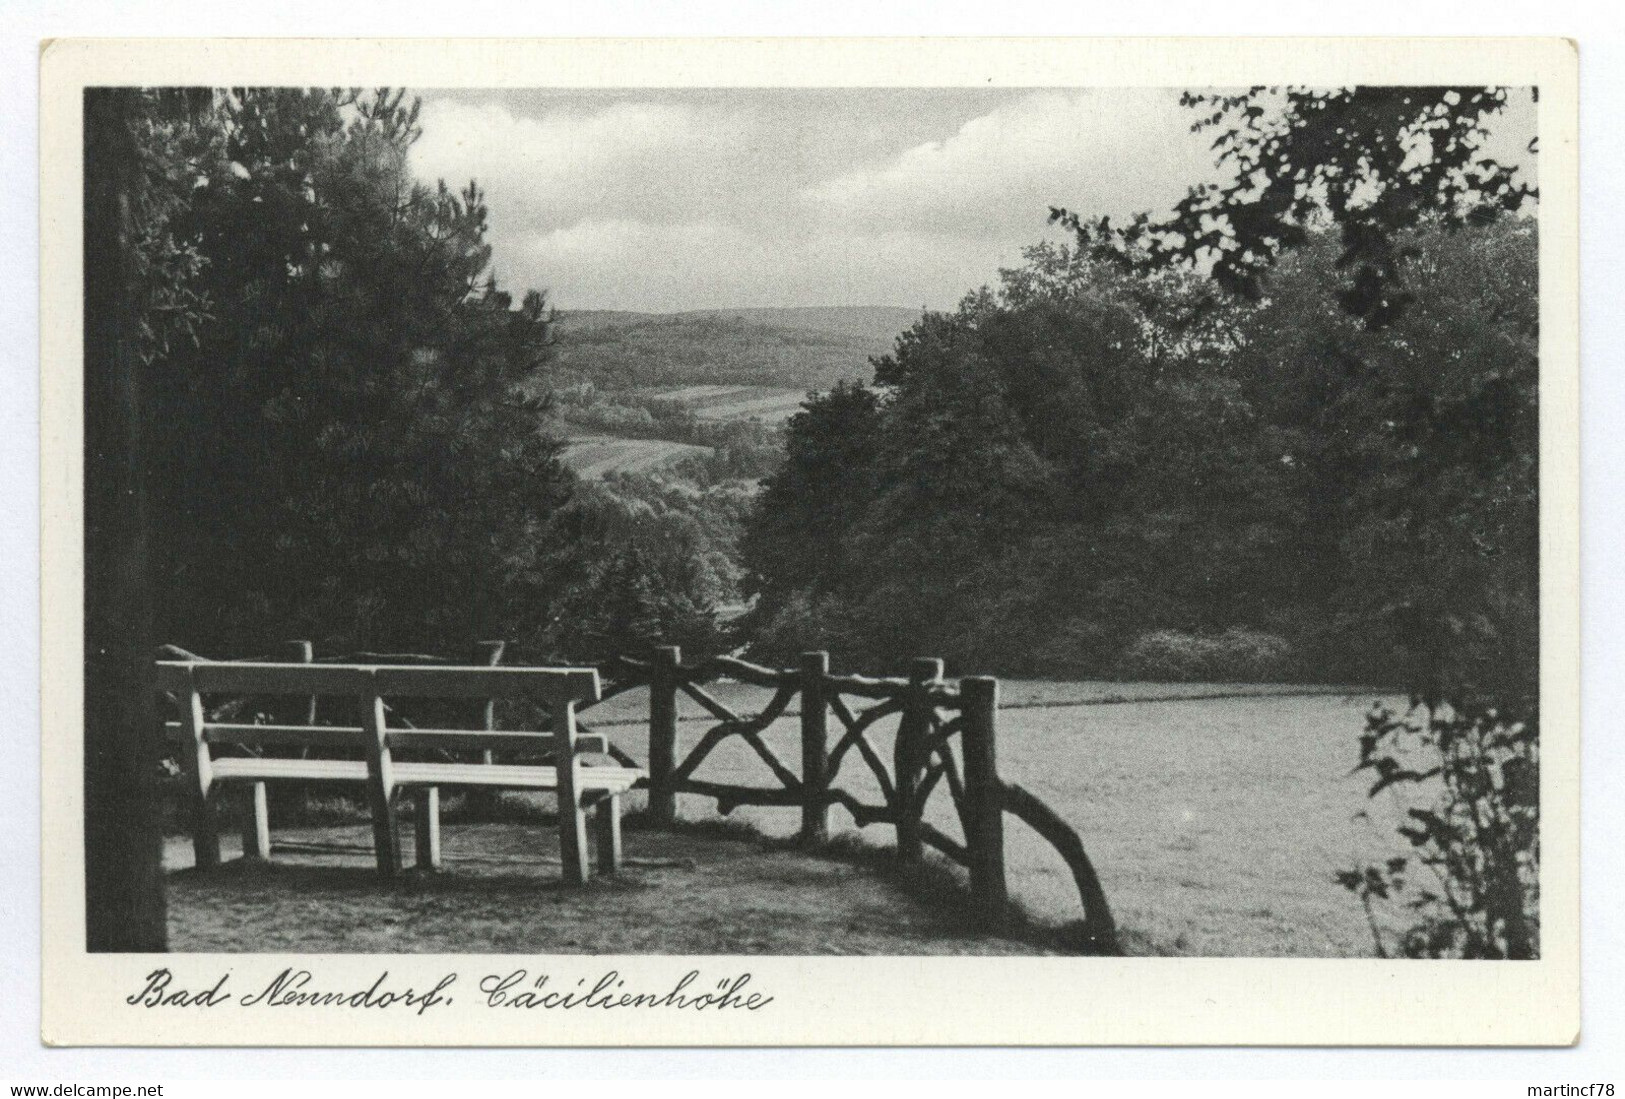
(1443, 561)
(346, 450)
(1377, 162)
(1092, 463)
(653, 564)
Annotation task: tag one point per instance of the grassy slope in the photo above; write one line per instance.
(878, 324)
(690, 892)
(735, 402)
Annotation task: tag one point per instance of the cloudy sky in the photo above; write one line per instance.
(665, 200)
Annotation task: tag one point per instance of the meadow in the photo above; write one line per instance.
(720, 367)
(1216, 824)
(1216, 816)
(735, 402)
(595, 455)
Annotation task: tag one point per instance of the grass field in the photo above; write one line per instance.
(596, 455)
(735, 402)
(1216, 824)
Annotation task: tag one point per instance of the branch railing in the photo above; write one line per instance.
(945, 737)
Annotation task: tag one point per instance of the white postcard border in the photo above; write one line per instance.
(818, 1001)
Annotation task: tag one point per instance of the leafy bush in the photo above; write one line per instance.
(801, 624)
(1235, 654)
(651, 565)
(1472, 883)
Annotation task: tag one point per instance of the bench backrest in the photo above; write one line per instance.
(546, 685)
(559, 690)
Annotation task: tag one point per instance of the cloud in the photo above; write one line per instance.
(1112, 151)
(649, 200)
(644, 159)
(629, 264)
(675, 199)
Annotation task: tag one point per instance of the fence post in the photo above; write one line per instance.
(663, 679)
(814, 748)
(488, 654)
(481, 801)
(984, 802)
(912, 729)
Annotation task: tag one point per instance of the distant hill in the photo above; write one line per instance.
(798, 349)
(881, 323)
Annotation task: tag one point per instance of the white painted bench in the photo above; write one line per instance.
(558, 691)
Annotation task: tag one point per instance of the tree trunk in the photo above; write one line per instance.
(124, 899)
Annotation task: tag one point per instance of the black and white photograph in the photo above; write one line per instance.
(1086, 523)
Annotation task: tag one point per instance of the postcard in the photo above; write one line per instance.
(810, 542)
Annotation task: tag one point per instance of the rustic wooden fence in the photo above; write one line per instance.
(943, 737)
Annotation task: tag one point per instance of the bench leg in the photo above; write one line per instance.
(426, 825)
(386, 837)
(257, 824)
(573, 839)
(205, 836)
(607, 833)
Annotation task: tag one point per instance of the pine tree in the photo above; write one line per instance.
(347, 452)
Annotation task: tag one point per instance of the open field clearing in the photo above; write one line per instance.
(596, 455)
(747, 402)
(697, 396)
(1215, 824)
(773, 406)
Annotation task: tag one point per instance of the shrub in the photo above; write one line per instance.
(806, 623)
(1236, 654)
(1472, 883)
(1076, 647)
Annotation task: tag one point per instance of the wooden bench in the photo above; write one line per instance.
(374, 742)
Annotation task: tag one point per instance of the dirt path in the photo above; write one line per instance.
(500, 893)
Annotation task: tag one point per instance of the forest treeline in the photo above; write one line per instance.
(1090, 469)
(1107, 472)
(628, 351)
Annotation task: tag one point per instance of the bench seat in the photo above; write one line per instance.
(514, 776)
(509, 776)
(308, 770)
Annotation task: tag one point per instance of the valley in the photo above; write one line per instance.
(641, 392)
